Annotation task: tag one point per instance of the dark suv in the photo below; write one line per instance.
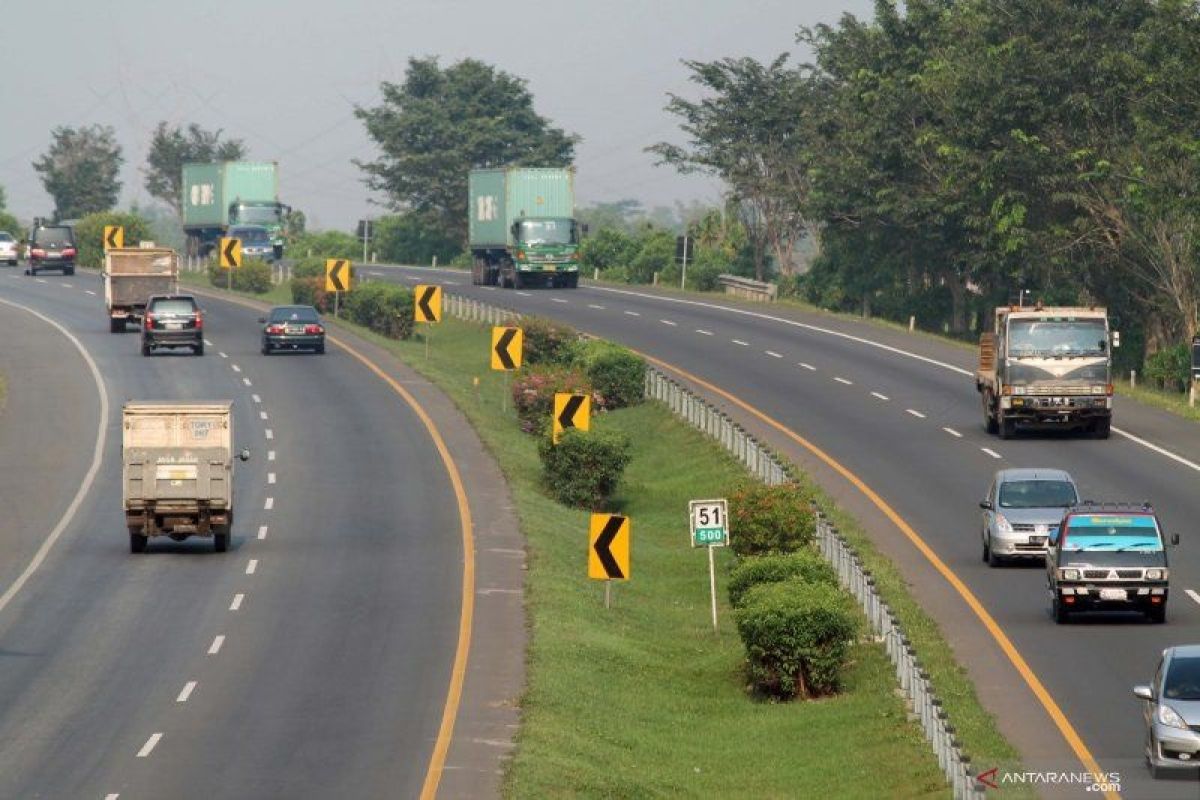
(1108, 557)
(51, 247)
(174, 320)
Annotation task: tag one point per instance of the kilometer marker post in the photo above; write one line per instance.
(709, 524)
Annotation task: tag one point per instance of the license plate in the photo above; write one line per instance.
(1113, 594)
(173, 326)
(1039, 540)
(295, 329)
(52, 254)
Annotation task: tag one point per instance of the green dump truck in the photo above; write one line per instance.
(218, 195)
(522, 228)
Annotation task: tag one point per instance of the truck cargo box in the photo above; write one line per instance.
(132, 275)
(498, 197)
(208, 189)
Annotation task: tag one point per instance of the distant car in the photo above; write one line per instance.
(8, 248)
(1172, 711)
(292, 328)
(256, 241)
(174, 320)
(51, 247)
(1022, 509)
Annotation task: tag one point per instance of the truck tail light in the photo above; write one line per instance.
(1110, 390)
(1007, 390)
(199, 320)
(313, 329)
(520, 255)
(149, 322)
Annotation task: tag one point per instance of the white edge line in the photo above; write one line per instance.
(148, 747)
(188, 688)
(86, 485)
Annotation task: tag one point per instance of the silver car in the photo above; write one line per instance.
(1172, 710)
(8, 249)
(1022, 509)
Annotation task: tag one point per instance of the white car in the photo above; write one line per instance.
(8, 248)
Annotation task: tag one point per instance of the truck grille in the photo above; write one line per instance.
(1112, 574)
(1058, 389)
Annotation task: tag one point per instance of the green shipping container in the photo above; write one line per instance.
(498, 197)
(208, 189)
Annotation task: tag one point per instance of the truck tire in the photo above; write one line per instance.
(69, 271)
(572, 281)
(518, 280)
(221, 540)
(137, 543)
(1101, 428)
(1008, 427)
(479, 272)
(1061, 615)
(989, 418)
(1157, 614)
(198, 349)
(116, 324)
(145, 348)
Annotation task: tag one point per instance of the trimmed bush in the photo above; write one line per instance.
(311, 292)
(797, 637)
(547, 341)
(533, 394)
(253, 275)
(765, 520)
(1170, 368)
(385, 308)
(616, 372)
(308, 267)
(584, 468)
(89, 234)
(805, 565)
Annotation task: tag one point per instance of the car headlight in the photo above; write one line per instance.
(1003, 525)
(1170, 717)
(1155, 574)
(1069, 574)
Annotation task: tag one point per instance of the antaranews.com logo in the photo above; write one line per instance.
(1091, 782)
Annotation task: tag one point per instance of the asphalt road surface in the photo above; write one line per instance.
(311, 660)
(901, 411)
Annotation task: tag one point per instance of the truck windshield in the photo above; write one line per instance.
(548, 231)
(1112, 532)
(1060, 336)
(1037, 494)
(250, 235)
(258, 215)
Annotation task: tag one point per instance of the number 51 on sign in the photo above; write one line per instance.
(709, 524)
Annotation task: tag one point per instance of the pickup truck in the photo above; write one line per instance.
(177, 471)
(131, 276)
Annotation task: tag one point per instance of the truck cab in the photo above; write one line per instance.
(549, 245)
(1108, 557)
(271, 216)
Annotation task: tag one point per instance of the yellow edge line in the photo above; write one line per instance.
(1014, 656)
(441, 747)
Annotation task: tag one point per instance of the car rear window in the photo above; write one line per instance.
(1183, 679)
(5, 236)
(173, 306)
(52, 237)
(1037, 494)
(294, 315)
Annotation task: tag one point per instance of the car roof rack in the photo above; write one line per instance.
(1100, 506)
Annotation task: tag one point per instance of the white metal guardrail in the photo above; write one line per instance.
(924, 705)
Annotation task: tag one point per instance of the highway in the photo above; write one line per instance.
(901, 412)
(311, 660)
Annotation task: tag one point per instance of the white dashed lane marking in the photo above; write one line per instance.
(1193, 595)
(262, 531)
(39, 280)
(268, 504)
(188, 688)
(809, 367)
(256, 398)
(215, 647)
(773, 354)
(247, 381)
(593, 305)
(223, 355)
(557, 300)
(991, 452)
(953, 433)
(89, 291)
(270, 455)
(703, 332)
(112, 796)
(236, 368)
(262, 415)
(523, 294)
(668, 322)
(740, 343)
(270, 477)
(148, 747)
(252, 566)
(915, 413)
(883, 397)
(67, 286)
(843, 380)
(633, 313)
(270, 433)
(237, 601)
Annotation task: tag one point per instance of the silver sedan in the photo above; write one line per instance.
(1172, 711)
(1022, 509)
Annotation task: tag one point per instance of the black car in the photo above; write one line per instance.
(173, 321)
(292, 328)
(51, 247)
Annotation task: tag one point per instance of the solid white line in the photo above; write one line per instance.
(668, 322)
(256, 398)
(85, 485)
(262, 531)
(270, 433)
(223, 355)
(237, 601)
(557, 300)
(772, 354)
(633, 313)
(93, 294)
(703, 332)
(188, 688)
(247, 381)
(215, 647)
(523, 294)
(740, 342)
(953, 433)
(1178, 459)
(808, 366)
(843, 380)
(270, 477)
(990, 452)
(268, 504)
(236, 368)
(262, 415)
(270, 455)
(1193, 595)
(915, 413)
(149, 745)
(252, 566)
(880, 396)
(593, 305)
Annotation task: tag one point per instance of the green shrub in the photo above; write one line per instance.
(547, 341)
(1170, 368)
(252, 276)
(533, 394)
(617, 373)
(765, 520)
(385, 308)
(311, 292)
(797, 637)
(89, 234)
(584, 468)
(308, 267)
(805, 566)
(326, 244)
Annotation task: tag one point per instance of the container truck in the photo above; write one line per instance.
(1047, 367)
(177, 471)
(131, 275)
(521, 227)
(226, 193)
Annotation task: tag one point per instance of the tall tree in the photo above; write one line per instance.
(440, 123)
(172, 147)
(80, 170)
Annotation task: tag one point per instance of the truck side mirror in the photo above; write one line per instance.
(245, 454)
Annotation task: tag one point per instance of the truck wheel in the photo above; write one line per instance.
(69, 271)
(518, 280)
(116, 325)
(198, 349)
(137, 543)
(572, 281)
(1008, 427)
(1157, 614)
(1059, 610)
(1101, 428)
(221, 541)
(145, 348)
(989, 419)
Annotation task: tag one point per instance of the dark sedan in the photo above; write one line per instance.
(292, 328)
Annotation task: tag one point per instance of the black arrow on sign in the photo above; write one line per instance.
(502, 348)
(424, 303)
(567, 418)
(335, 275)
(603, 542)
(111, 241)
(230, 251)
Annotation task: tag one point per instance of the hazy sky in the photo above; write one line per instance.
(285, 76)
